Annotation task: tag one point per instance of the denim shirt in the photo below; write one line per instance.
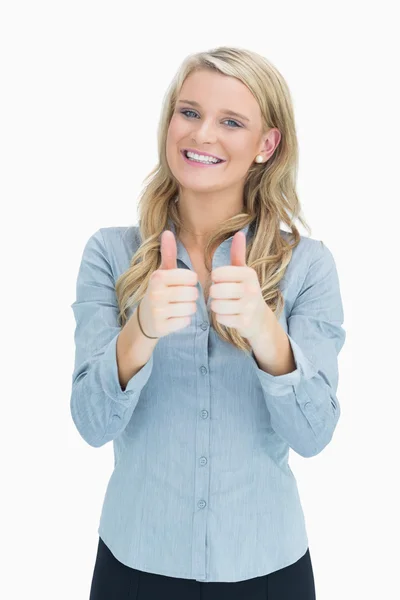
(201, 487)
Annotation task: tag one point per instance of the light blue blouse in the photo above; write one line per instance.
(201, 487)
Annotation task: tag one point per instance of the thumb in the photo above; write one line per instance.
(168, 250)
(238, 250)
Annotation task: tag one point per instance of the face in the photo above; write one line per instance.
(202, 121)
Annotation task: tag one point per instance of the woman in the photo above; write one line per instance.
(207, 341)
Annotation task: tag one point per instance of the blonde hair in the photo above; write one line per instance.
(269, 192)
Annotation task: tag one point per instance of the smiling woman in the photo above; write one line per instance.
(203, 397)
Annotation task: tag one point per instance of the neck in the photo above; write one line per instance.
(202, 215)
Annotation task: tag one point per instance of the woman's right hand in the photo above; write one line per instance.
(170, 298)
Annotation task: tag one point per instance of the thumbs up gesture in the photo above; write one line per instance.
(236, 292)
(170, 298)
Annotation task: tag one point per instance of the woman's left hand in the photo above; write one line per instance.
(237, 298)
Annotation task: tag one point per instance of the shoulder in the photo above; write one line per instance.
(123, 234)
(120, 244)
(113, 239)
(307, 250)
(311, 261)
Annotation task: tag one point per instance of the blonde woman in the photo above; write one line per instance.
(207, 341)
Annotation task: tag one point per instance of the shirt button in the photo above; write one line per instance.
(203, 370)
(203, 460)
(204, 414)
(307, 405)
(201, 504)
(204, 325)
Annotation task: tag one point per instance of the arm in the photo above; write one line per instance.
(133, 350)
(303, 404)
(111, 365)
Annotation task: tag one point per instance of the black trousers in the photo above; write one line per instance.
(113, 580)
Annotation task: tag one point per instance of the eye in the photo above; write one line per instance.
(187, 110)
(236, 124)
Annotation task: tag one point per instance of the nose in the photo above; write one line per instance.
(204, 132)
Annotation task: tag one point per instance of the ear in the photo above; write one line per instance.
(270, 141)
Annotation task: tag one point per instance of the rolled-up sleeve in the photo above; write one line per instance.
(303, 404)
(100, 408)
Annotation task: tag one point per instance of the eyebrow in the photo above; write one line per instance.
(224, 110)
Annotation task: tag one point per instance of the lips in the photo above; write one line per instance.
(203, 153)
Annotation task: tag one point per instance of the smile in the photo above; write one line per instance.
(200, 160)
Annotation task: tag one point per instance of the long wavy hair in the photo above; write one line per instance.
(269, 192)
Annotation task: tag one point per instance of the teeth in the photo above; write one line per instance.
(201, 158)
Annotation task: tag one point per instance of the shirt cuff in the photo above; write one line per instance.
(281, 385)
(109, 375)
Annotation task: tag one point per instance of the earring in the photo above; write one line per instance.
(259, 158)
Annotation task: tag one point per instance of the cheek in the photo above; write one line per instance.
(176, 130)
(171, 141)
(239, 147)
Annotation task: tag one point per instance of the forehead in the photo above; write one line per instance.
(215, 90)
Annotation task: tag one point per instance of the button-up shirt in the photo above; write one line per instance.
(201, 487)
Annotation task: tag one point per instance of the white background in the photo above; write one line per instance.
(81, 91)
